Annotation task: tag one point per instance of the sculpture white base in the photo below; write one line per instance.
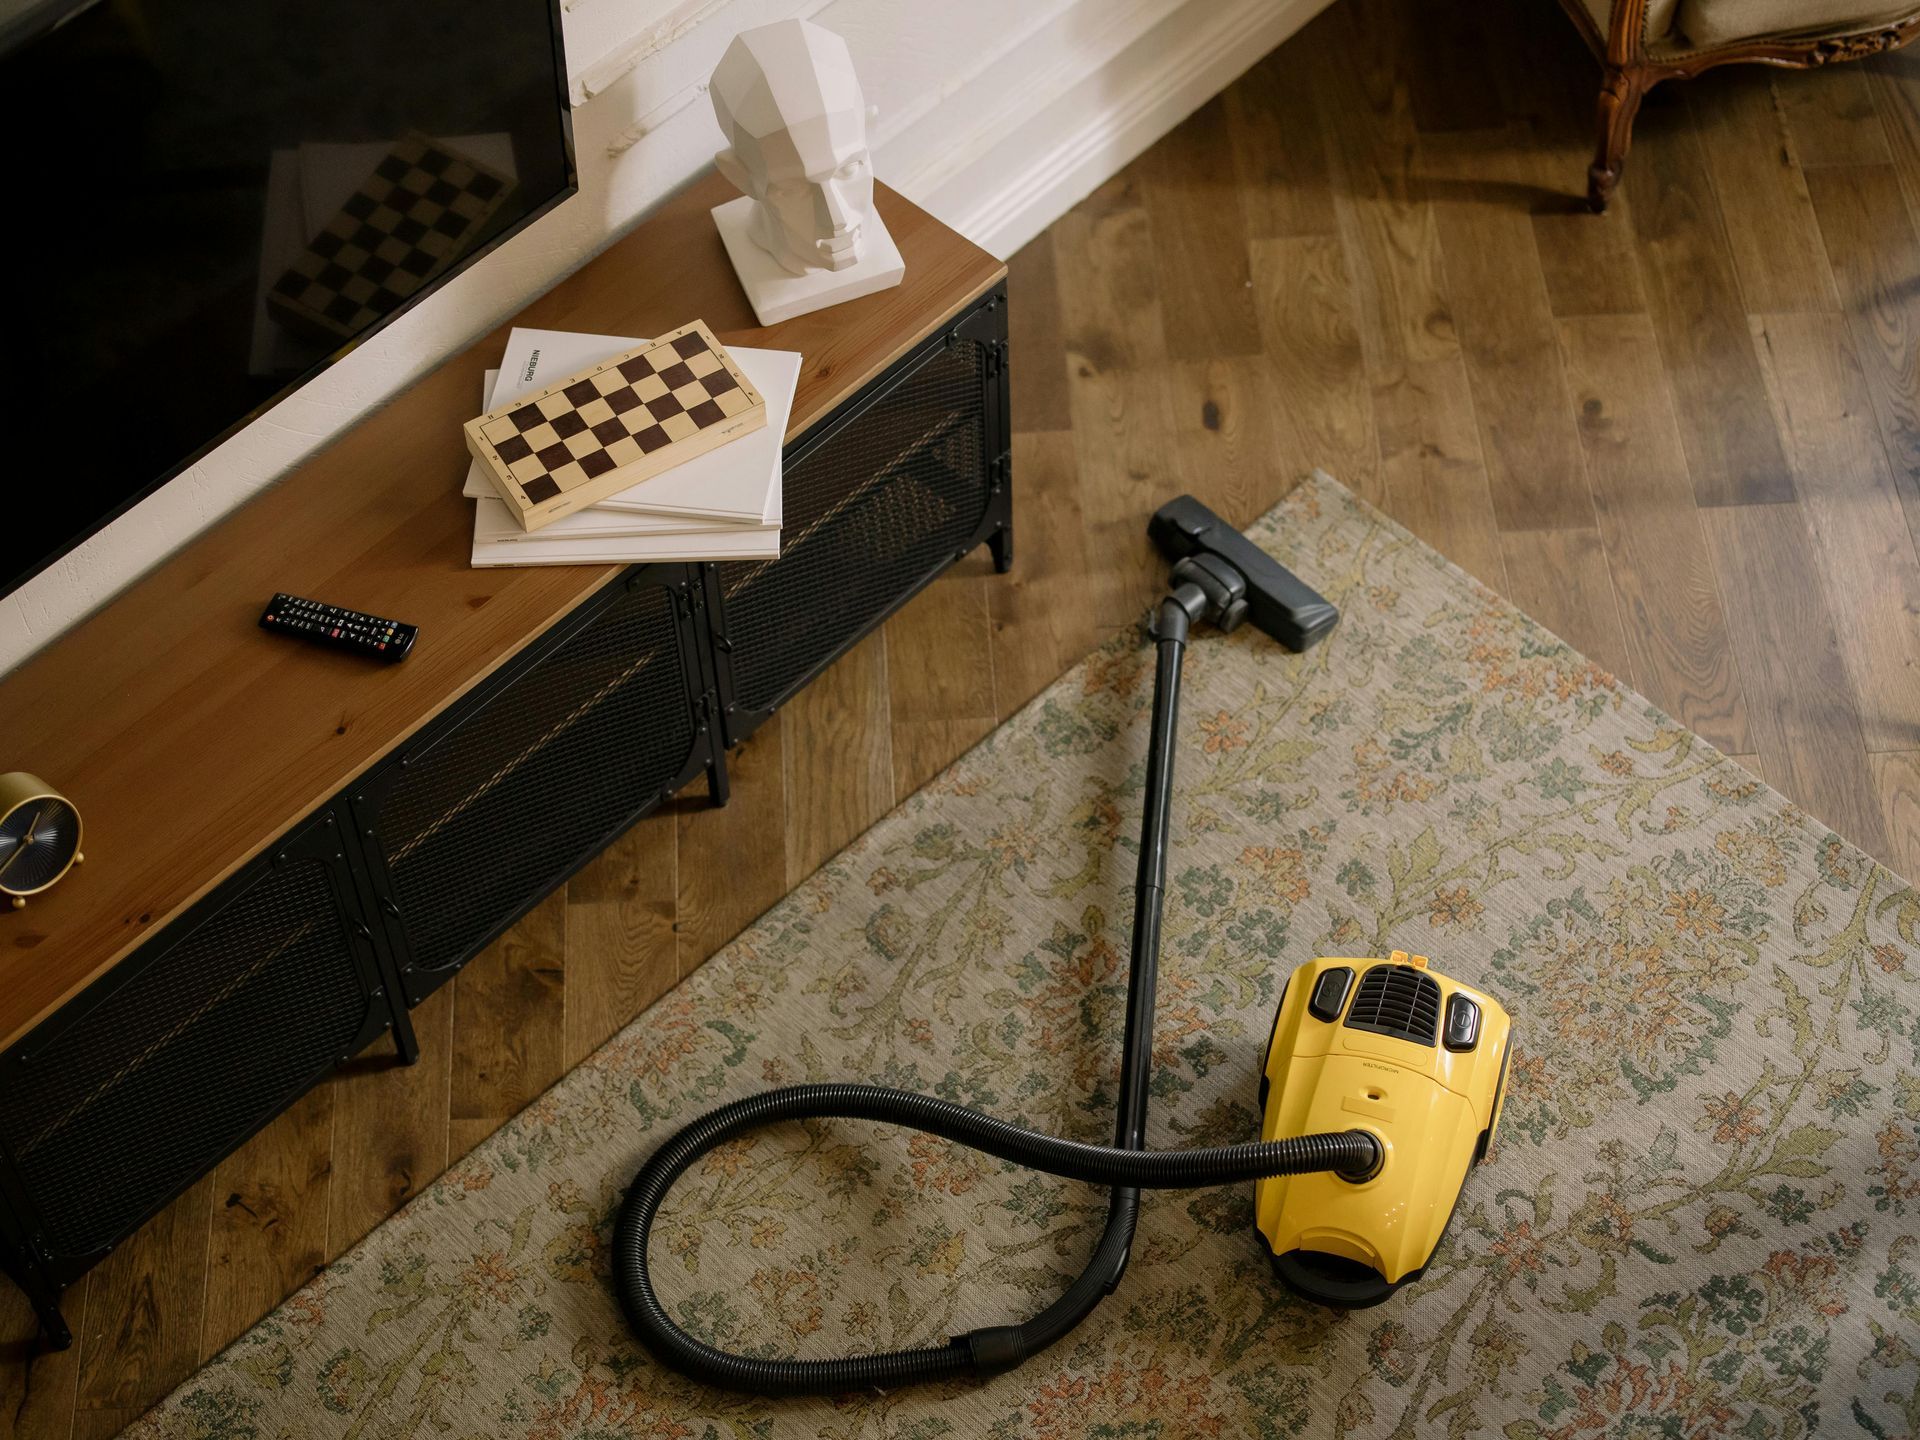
(777, 295)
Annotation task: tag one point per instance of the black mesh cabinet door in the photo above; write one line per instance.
(148, 1078)
(582, 733)
(880, 497)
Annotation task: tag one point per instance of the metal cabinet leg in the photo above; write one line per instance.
(53, 1325)
(406, 1044)
(27, 1267)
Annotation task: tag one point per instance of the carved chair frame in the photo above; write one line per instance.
(1630, 71)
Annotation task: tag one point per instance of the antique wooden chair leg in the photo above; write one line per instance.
(1620, 94)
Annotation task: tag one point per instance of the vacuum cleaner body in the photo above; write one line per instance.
(1414, 1058)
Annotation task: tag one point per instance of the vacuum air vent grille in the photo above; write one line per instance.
(1397, 1000)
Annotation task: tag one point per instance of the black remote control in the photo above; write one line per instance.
(367, 635)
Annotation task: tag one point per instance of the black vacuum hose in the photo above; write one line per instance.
(1126, 1165)
(980, 1352)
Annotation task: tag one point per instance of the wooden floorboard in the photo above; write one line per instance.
(1042, 611)
(509, 1025)
(1896, 98)
(1505, 322)
(1806, 722)
(1120, 403)
(733, 859)
(390, 1125)
(1734, 454)
(38, 1386)
(940, 680)
(1227, 435)
(1304, 293)
(1040, 399)
(622, 952)
(1860, 538)
(1686, 435)
(1674, 626)
(1762, 193)
(1896, 780)
(1870, 237)
(269, 1232)
(1192, 196)
(1279, 150)
(839, 757)
(140, 1328)
(1561, 578)
(1546, 79)
(1832, 118)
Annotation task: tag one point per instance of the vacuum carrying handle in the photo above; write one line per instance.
(1278, 601)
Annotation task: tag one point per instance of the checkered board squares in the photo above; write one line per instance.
(597, 433)
(419, 210)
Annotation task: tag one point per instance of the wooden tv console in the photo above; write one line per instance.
(288, 847)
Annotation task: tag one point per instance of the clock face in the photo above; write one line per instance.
(38, 838)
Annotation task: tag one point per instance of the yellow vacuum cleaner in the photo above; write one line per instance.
(1380, 1090)
(1416, 1060)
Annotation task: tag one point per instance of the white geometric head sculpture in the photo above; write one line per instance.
(795, 120)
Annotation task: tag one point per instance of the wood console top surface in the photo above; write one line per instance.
(190, 739)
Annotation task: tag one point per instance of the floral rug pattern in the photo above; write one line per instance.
(1701, 1217)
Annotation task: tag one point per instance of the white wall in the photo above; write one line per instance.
(996, 115)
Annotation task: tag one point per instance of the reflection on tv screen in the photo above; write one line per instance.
(215, 199)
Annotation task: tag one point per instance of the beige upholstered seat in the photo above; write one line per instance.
(1704, 23)
(1680, 26)
(1659, 15)
(1644, 42)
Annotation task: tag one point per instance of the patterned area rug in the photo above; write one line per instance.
(1700, 1218)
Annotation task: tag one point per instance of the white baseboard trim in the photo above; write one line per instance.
(1005, 197)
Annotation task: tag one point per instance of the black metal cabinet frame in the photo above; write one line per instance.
(315, 949)
(576, 699)
(901, 481)
(224, 1025)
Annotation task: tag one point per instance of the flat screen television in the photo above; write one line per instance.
(210, 201)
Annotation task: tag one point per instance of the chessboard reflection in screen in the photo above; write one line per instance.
(206, 220)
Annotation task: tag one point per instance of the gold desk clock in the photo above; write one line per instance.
(39, 836)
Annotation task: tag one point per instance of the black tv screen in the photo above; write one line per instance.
(211, 200)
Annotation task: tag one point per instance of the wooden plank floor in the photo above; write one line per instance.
(1685, 435)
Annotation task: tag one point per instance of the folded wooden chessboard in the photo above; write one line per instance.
(598, 432)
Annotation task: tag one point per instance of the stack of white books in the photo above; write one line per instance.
(723, 505)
